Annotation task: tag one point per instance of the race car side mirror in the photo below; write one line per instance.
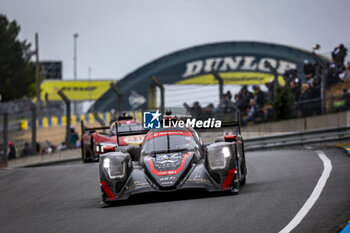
(230, 138)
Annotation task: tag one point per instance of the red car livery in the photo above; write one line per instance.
(94, 143)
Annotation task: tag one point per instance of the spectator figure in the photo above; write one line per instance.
(252, 112)
(27, 151)
(339, 54)
(209, 111)
(228, 95)
(188, 109)
(309, 71)
(245, 96)
(332, 75)
(239, 102)
(73, 137)
(289, 75)
(259, 96)
(236, 98)
(227, 106)
(197, 110)
(295, 86)
(12, 154)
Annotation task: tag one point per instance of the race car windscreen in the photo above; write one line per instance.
(168, 142)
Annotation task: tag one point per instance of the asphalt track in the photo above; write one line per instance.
(66, 198)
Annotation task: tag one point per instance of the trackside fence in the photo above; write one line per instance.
(301, 138)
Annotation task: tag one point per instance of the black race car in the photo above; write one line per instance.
(171, 159)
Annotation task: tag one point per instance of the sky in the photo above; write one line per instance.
(117, 37)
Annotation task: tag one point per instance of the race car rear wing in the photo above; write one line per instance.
(118, 134)
(83, 128)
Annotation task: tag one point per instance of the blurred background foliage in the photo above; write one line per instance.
(17, 72)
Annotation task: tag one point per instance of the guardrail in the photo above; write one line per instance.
(301, 138)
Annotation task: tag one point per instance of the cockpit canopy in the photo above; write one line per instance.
(168, 141)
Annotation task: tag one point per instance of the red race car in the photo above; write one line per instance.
(94, 143)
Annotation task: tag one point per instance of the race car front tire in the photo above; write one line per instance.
(235, 188)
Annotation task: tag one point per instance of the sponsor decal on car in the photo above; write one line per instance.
(133, 140)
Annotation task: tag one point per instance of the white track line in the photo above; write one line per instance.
(314, 195)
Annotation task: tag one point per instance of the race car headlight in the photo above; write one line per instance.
(218, 156)
(115, 168)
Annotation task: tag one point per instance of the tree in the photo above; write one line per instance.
(284, 103)
(17, 73)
